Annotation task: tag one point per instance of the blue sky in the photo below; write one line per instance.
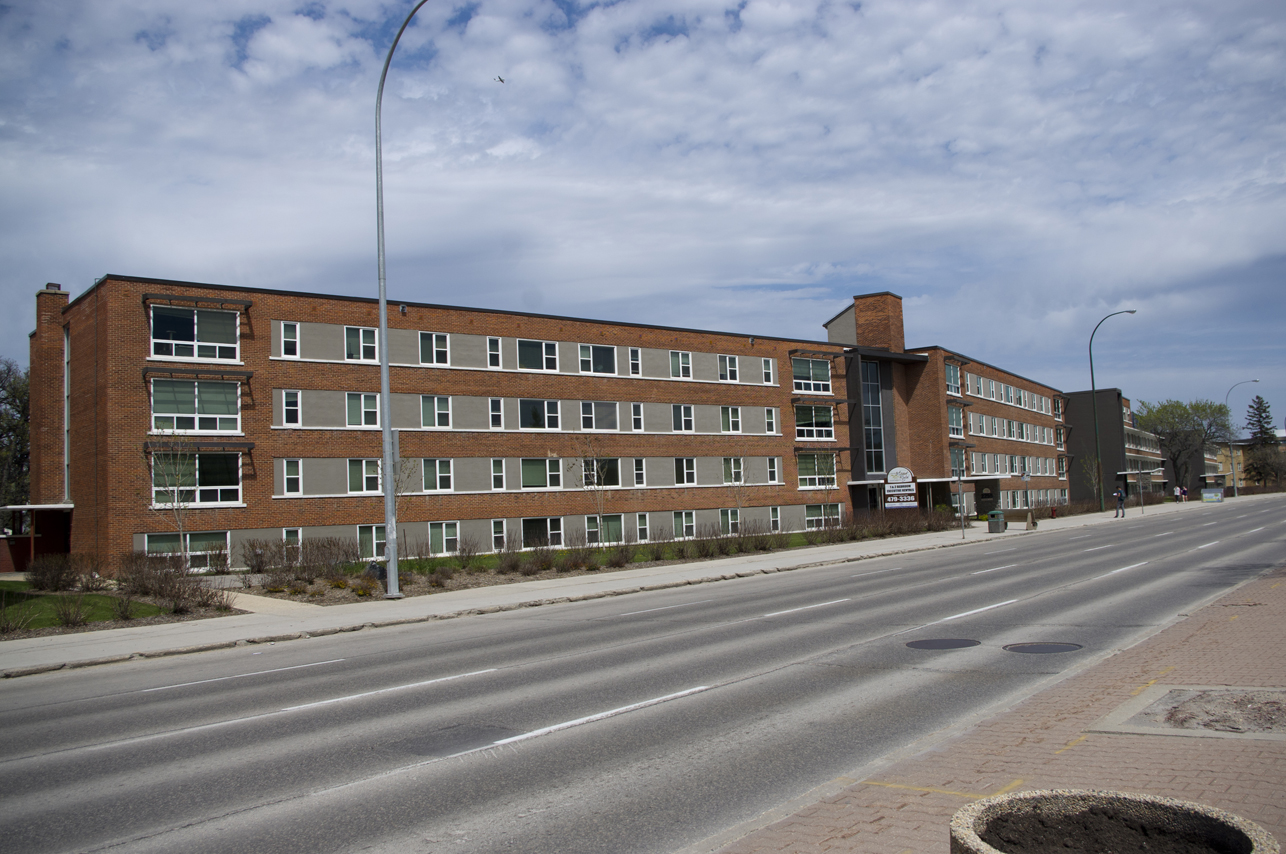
(1014, 170)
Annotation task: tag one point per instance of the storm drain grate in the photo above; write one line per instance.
(1041, 648)
(943, 643)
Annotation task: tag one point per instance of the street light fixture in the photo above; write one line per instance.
(1232, 461)
(386, 408)
(1098, 448)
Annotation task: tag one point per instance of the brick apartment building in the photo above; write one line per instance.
(256, 413)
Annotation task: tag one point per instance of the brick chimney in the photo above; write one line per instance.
(46, 383)
(879, 321)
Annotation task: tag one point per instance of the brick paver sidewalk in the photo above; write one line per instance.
(1044, 742)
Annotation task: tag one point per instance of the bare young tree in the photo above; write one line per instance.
(170, 464)
(598, 476)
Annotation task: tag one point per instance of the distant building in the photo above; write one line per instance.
(1132, 458)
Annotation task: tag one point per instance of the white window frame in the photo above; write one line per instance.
(548, 355)
(636, 361)
(814, 433)
(496, 413)
(642, 527)
(498, 474)
(444, 352)
(733, 471)
(297, 477)
(292, 339)
(435, 485)
(774, 519)
(365, 399)
(363, 344)
(774, 470)
(636, 417)
(640, 471)
(222, 352)
(585, 353)
(730, 419)
(589, 416)
(810, 385)
(220, 422)
(955, 421)
(730, 521)
(377, 539)
(449, 533)
(286, 408)
(767, 369)
(191, 496)
(770, 420)
(823, 515)
(682, 418)
(493, 353)
(728, 369)
(819, 481)
(953, 379)
(501, 537)
(685, 524)
(553, 413)
(370, 467)
(440, 407)
(553, 473)
(681, 364)
(685, 471)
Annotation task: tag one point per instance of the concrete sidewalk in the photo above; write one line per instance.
(1071, 735)
(278, 620)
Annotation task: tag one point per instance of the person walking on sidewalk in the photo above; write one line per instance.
(1119, 495)
(1184, 492)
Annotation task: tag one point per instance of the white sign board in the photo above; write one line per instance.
(900, 490)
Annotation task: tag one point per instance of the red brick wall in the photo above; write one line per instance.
(879, 321)
(46, 353)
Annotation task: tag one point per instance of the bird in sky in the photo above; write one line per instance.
(501, 79)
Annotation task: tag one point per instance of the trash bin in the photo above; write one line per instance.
(996, 523)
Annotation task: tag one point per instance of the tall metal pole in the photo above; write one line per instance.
(1232, 460)
(1098, 447)
(388, 475)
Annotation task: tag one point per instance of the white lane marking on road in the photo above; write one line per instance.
(237, 676)
(1014, 549)
(666, 608)
(1122, 569)
(1163, 534)
(994, 568)
(1081, 537)
(387, 690)
(1208, 524)
(958, 616)
(1256, 530)
(876, 572)
(1096, 548)
(806, 607)
(1242, 516)
(1208, 545)
(592, 718)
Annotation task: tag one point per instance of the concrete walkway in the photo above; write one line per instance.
(278, 620)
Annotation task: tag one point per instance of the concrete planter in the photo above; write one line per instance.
(1223, 830)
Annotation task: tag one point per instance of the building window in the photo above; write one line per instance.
(730, 419)
(363, 409)
(872, 417)
(813, 422)
(685, 470)
(290, 408)
(1058, 409)
(191, 479)
(597, 415)
(680, 364)
(196, 406)
(773, 476)
(290, 541)
(537, 355)
(636, 361)
(498, 537)
(538, 414)
(977, 386)
(812, 375)
(359, 344)
(958, 463)
(682, 415)
(597, 359)
(444, 538)
(498, 474)
(1062, 468)
(604, 529)
(728, 369)
(290, 340)
(955, 421)
(434, 349)
(639, 477)
(437, 475)
(1009, 394)
(953, 379)
(767, 367)
(200, 333)
(493, 352)
(730, 521)
(641, 521)
(774, 518)
(636, 416)
(363, 476)
(685, 524)
(206, 549)
(601, 471)
(542, 532)
(816, 471)
(293, 480)
(541, 474)
(732, 470)
(497, 414)
(821, 516)
(370, 542)
(770, 420)
(435, 411)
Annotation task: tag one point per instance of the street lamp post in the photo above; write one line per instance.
(1098, 447)
(388, 475)
(1232, 460)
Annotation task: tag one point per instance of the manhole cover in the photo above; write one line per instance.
(1041, 648)
(943, 643)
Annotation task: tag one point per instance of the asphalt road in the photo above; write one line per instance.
(641, 723)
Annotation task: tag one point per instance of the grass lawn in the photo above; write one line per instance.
(16, 596)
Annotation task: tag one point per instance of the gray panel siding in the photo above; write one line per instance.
(469, 351)
(657, 417)
(656, 363)
(792, 517)
(471, 413)
(707, 419)
(568, 358)
(752, 420)
(709, 470)
(406, 411)
(472, 474)
(321, 341)
(278, 477)
(404, 346)
(275, 342)
(755, 469)
(325, 476)
(277, 409)
(478, 530)
(705, 366)
(323, 408)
